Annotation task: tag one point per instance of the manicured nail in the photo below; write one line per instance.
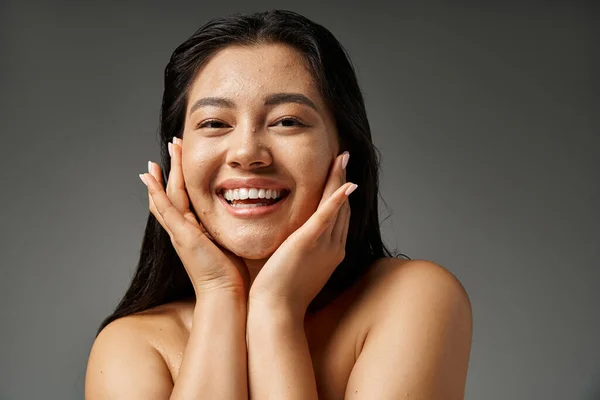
(345, 159)
(170, 149)
(143, 178)
(174, 139)
(150, 166)
(351, 189)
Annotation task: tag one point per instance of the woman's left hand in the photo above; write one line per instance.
(300, 267)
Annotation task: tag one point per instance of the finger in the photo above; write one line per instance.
(179, 192)
(339, 225)
(346, 224)
(155, 171)
(180, 229)
(326, 215)
(344, 237)
(175, 185)
(330, 234)
(335, 178)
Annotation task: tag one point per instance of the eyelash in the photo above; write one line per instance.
(296, 120)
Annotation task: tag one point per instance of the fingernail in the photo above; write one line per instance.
(174, 139)
(143, 178)
(351, 189)
(170, 149)
(345, 159)
(150, 166)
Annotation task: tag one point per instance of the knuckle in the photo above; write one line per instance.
(323, 219)
(188, 238)
(170, 208)
(178, 241)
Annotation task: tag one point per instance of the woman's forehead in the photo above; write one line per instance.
(255, 71)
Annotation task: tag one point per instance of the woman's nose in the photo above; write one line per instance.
(247, 149)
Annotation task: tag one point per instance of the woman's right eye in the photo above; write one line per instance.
(205, 124)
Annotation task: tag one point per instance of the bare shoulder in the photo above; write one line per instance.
(419, 335)
(398, 293)
(393, 279)
(127, 350)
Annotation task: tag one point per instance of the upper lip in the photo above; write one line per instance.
(258, 183)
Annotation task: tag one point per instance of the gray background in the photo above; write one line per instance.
(484, 116)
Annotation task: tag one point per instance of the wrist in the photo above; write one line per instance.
(281, 310)
(218, 288)
(215, 289)
(220, 300)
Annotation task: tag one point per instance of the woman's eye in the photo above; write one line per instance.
(213, 122)
(290, 122)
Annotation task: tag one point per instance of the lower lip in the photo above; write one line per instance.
(253, 211)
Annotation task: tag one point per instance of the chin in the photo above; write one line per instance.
(254, 254)
(254, 247)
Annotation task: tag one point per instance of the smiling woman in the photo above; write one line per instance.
(257, 114)
(262, 270)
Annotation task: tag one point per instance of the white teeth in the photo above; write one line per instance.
(251, 193)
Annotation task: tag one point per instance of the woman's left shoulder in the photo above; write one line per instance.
(416, 332)
(393, 280)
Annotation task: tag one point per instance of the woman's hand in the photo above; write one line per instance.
(300, 267)
(209, 266)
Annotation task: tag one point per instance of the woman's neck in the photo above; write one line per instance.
(254, 267)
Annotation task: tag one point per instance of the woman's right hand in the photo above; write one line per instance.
(209, 266)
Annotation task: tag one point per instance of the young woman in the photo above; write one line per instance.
(262, 272)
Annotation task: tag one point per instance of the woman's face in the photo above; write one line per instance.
(255, 120)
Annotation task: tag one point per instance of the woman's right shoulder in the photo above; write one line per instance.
(129, 349)
(149, 324)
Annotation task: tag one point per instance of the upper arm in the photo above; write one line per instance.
(124, 365)
(420, 342)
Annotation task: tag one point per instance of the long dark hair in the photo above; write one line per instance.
(160, 276)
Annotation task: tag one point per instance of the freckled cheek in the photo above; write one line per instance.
(311, 172)
(197, 171)
(307, 154)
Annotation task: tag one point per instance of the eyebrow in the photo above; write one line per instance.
(271, 100)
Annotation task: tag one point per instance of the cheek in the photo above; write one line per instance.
(311, 154)
(198, 168)
(310, 171)
(196, 162)
(314, 164)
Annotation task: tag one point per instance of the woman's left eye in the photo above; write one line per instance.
(291, 120)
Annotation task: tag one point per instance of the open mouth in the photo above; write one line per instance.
(253, 200)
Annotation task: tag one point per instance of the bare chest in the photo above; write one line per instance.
(335, 336)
